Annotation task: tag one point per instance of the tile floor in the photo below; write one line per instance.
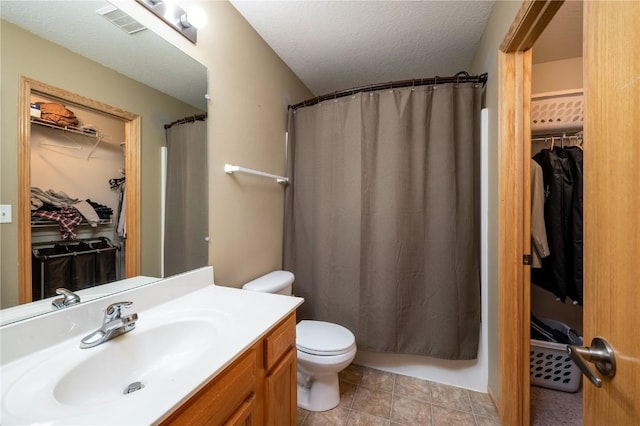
(374, 397)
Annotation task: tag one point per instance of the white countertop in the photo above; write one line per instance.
(242, 318)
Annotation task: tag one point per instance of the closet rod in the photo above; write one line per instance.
(230, 169)
(563, 135)
(461, 77)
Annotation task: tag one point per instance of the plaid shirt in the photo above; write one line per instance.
(68, 217)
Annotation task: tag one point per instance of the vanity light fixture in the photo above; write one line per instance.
(194, 16)
(185, 22)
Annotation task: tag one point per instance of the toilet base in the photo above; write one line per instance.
(323, 394)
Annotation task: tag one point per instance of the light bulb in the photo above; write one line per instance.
(195, 16)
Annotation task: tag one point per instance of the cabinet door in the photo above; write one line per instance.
(281, 392)
(246, 414)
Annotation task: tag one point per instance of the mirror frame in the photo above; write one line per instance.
(132, 172)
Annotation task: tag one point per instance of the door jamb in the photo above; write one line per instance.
(514, 136)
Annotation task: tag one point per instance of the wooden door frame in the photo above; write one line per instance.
(132, 171)
(514, 147)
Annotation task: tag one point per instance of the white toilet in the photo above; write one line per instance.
(324, 349)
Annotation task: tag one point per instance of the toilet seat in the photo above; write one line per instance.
(323, 338)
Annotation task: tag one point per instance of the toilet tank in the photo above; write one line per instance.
(277, 282)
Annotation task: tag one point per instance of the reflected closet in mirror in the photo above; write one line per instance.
(79, 227)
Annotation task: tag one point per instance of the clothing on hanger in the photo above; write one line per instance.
(539, 243)
(561, 271)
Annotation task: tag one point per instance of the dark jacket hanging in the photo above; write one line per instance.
(575, 157)
(561, 272)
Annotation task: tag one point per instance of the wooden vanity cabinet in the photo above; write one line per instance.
(259, 388)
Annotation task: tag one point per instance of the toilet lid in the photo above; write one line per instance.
(323, 338)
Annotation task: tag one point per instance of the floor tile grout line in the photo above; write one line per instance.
(473, 411)
(393, 392)
(431, 413)
(452, 409)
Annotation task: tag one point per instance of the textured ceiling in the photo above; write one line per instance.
(336, 45)
(76, 26)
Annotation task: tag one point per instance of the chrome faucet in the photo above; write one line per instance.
(68, 298)
(113, 324)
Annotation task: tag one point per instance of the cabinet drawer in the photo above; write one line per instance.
(279, 341)
(245, 415)
(221, 397)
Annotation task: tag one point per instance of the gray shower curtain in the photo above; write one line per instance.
(382, 217)
(186, 214)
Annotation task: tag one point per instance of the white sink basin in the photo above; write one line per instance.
(154, 353)
(145, 356)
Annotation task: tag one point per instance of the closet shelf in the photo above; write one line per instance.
(51, 223)
(557, 111)
(71, 129)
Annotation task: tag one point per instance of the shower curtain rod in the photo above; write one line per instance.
(461, 77)
(189, 119)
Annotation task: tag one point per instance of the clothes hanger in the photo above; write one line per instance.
(74, 144)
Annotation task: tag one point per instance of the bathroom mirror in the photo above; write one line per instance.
(84, 29)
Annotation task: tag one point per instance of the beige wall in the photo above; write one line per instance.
(554, 76)
(250, 89)
(486, 60)
(26, 54)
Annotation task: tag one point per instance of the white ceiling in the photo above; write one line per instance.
(76, 26)
(337, 45)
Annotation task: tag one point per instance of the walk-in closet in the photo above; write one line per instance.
(557, 146)
(77, 163)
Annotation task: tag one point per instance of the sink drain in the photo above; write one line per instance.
(135, 386)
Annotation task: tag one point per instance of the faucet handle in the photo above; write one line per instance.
(113, 310)
(69, 298)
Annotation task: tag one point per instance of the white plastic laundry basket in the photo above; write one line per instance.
(550, 364)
